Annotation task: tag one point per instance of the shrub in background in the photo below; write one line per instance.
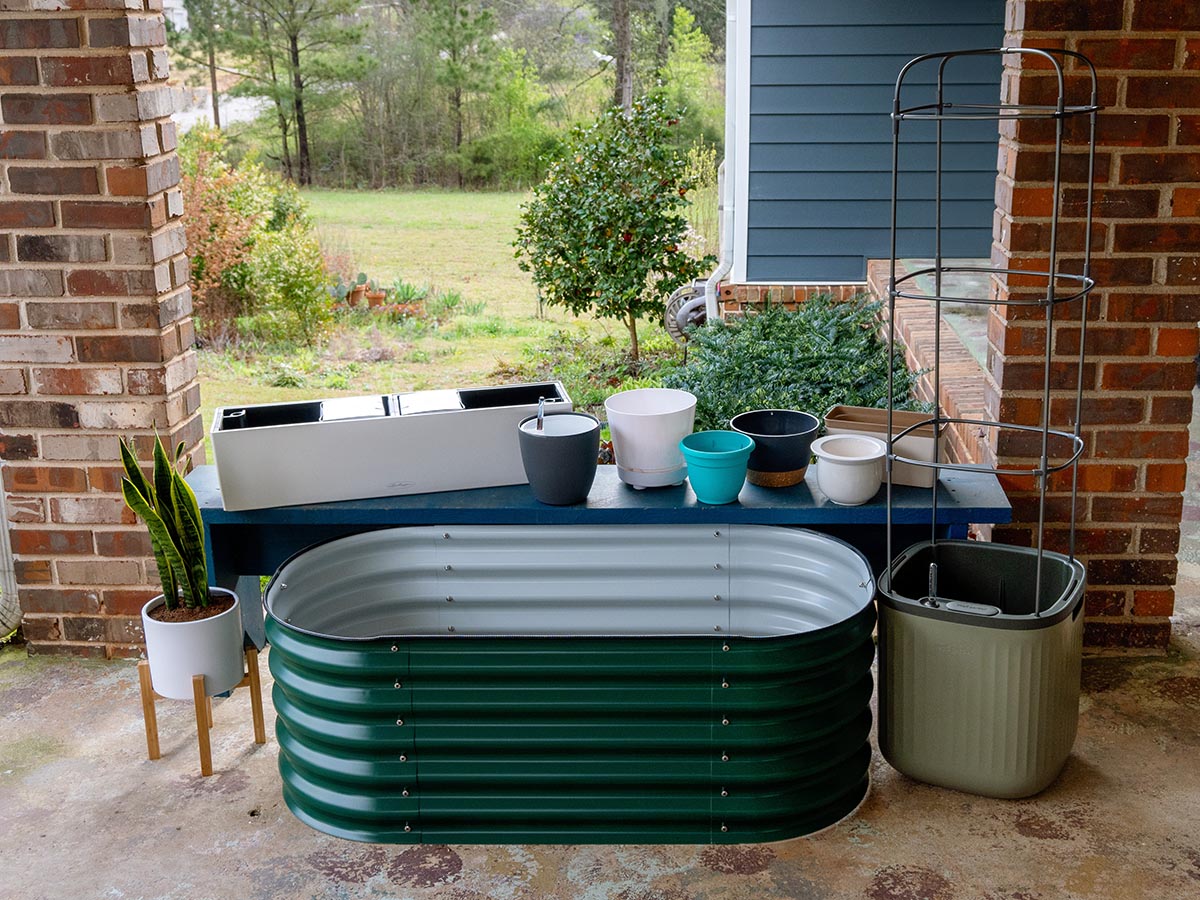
(603, 232)
(293, 302)
(593, 368)
(824, 353)
(240, 221)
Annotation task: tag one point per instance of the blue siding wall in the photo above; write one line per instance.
(822, 75)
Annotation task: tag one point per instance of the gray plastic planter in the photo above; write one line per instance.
(979, 692)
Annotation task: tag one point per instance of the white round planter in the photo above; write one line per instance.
(849, 467)
(210, 647)
(647, 425)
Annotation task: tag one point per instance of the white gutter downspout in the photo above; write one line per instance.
(725, 184)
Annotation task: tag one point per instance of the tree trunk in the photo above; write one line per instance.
(305, 170)
(623, 40)
(631, 324)
(289, 169)
(456, 100)
(212, 83)
(665, 13)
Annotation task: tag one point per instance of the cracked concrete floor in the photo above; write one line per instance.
(84, 814)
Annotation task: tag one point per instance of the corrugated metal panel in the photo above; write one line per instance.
(600, 739)
(822, 77)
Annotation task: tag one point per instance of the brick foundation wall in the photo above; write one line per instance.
(735, 297)
(1142, 337)
(95, 327)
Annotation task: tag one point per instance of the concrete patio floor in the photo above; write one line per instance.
(84, 814)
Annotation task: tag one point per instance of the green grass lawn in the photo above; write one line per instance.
(448, 240)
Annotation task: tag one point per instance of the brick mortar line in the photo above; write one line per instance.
(50, 15)
(56, 163)
(83, 51)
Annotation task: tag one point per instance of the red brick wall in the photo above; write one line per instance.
(1142, 338)
(736, 296)
(95, 327)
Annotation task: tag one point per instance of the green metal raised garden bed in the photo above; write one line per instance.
(681, 684)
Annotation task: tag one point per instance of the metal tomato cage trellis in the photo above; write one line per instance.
(992, 607)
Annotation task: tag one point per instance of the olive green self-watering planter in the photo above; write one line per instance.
(620, 684)
(978, 678)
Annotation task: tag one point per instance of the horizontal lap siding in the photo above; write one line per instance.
(822, 77)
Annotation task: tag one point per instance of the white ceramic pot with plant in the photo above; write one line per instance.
(191, 629)
(849, 467)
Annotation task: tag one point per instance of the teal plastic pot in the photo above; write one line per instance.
(716, 464)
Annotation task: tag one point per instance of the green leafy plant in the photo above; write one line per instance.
(822, 354)
(604, 232)
(291, 284)
(593, 368)
(169, 508)
(403, 292)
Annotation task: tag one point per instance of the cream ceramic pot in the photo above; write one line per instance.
(849, 467)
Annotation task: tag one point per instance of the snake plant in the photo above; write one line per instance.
(169, 508)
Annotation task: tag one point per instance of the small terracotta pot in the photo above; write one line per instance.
(376, 298)
(358, 294)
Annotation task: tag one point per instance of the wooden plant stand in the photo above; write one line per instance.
(204, 716)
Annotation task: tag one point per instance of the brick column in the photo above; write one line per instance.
(1142, 338)
(95, 327)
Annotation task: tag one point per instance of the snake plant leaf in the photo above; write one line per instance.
(164, 472)
(165, 550)
(191, 535)
(136, 480)
(133, 471)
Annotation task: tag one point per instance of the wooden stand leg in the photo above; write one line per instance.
(149, 715)
(208, 710)
(202, 724)
(256, 706)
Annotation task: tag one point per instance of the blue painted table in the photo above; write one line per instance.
(245, 545)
